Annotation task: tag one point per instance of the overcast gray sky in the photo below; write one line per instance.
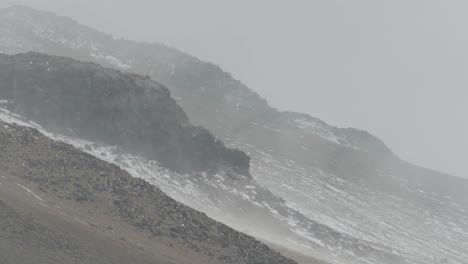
(395, 68)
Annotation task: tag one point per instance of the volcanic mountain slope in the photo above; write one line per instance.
(119, 118)
(59, 204)
(346, 179)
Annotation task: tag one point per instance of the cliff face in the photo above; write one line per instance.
(91, 102)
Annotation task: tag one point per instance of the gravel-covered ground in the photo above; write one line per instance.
(60, 205)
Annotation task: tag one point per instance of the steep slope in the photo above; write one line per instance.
(58, 96)
(73, 188)
(345, 179)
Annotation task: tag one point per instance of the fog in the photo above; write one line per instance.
(394, 68)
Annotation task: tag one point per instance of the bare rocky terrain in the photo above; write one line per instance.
(60, 205)
(340, 192)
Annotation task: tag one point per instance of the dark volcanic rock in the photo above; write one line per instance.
(95, 103)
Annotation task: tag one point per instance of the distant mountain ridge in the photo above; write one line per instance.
(61, 36)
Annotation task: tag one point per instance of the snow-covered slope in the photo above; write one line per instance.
(419, 225)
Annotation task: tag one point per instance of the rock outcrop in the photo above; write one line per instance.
(95, 103)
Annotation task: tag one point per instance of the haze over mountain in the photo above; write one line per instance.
(334, 193)
(366, 64)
